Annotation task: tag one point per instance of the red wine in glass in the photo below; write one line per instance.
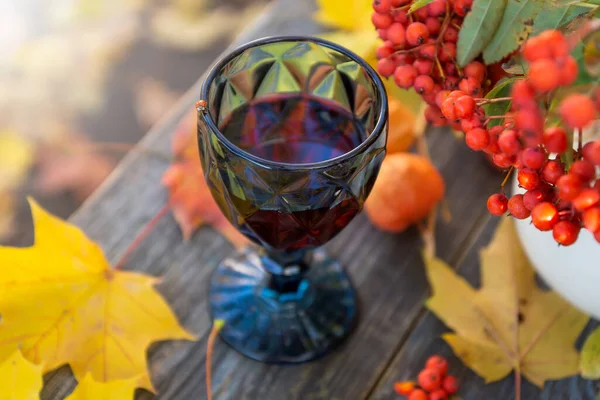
(295, 129)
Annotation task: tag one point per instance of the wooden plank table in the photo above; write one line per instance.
(395, 333)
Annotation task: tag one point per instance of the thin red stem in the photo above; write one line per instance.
(517, 384)
(141, 236)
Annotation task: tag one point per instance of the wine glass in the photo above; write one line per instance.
(292, 132)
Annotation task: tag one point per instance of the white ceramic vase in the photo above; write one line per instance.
(572, 271)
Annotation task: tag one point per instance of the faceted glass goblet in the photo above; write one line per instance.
(292, 132)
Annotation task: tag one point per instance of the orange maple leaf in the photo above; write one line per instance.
(189, 196)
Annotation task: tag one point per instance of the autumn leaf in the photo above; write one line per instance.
(63, 303)
(590, 356)
(189, 196)
(350, 15)
(89, 389)
(509, 323)
(22, 379)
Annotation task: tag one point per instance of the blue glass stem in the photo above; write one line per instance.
(282, 307)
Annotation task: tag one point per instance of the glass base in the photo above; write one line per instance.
(274, 326)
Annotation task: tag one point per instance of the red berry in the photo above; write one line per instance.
(552, 171)
(396, 34)
(418, 394)
(528, 178)
(404, 388)
(382, 34)
(534, 158)
(565, 232)
(423, 66)
(477, 139)
(517, 208)
(586, 199)
(436, 8)
(428, 51)
(591, 152)
(544, 75)
(381, 21)
(434, 116)
(462, 7)
(584, 170)
(451, 35)
(405, 76)
(536, 49)
(441, 96)
(385, 50)
(439, 394)
(475, 70)
(555, 140)
(417, 33)
(569, 186)
(532, 198)
(470, 86)
(433, 25)
(497, 204)
(523, 95)
(503, 160)
(430, 379)
(448, 109)
(597, 236)
(421, 14)
(451, 83)
(423, 84)
(577, 110)
(544, 216)
(531, 122)
(509, 142)
(568, 71)
(450, 384)
(468, 124)
(437, 362)
(556, 42)
(382, 6)
(399, 16)
(591, 219)
(464, 107)
(447, 52)
(385, 67)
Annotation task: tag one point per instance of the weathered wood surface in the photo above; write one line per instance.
(395, 332)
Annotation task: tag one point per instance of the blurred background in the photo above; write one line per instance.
(81, 81)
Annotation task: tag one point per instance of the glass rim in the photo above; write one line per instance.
(371, 138)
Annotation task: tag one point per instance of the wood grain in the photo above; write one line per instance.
(394, 333)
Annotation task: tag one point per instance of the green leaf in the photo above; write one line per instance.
(556, 16)
(583, 77)
(502, 89)
(514, 29)
(589, 361)
(478, 29)
(418, 4)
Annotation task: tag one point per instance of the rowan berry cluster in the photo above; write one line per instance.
(562, 188)
(419, 50)
(433, 382)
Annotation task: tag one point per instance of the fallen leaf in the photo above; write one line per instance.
(67, 162)
(590, 356)
(401, 130)
(189, 196)
(350, 15)
(509, 323)
(90, 389)
(22, 379)
(63, 303)
(152, 99)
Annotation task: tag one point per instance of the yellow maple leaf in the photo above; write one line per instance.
(90, 389)
(345, 14)
(509, 323)
(22, 380)
(63, 303)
